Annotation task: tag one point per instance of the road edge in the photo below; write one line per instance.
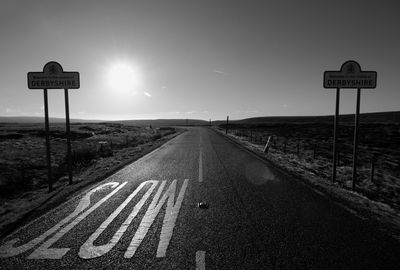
(388, 226)
(47, 208)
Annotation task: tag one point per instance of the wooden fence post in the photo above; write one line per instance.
(314, 150)
(373, 160)
(284, 145)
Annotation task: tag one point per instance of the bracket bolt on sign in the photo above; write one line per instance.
(202, 205)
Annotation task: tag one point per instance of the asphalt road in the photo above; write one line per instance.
(146, 216)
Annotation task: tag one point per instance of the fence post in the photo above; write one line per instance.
(267, 145)
(226, 126)
(284, 145)
(314, 150)
(372, 168)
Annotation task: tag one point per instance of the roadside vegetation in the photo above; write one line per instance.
(98, 150)
(306, 149)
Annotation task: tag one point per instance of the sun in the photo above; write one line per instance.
(122, 76)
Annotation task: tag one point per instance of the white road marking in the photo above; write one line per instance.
(201, 160)
(45, 252)
(88, 250)
(169, 219)
(7, 250)
(200, 260)
(201, 165)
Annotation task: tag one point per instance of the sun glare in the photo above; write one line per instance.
(123, 77)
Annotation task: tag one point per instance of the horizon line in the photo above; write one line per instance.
(193, 119)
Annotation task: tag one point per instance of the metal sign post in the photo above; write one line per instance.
(53, 77)
(69, 160)
(355, 143)
(335, 132)
(349, 76)
(46, 124)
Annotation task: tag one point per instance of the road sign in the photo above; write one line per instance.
(53, 77)
(350, 76)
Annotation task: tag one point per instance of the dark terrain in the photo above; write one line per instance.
(310, 139)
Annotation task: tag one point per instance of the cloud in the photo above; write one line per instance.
(164, 87)
(147, 94)
(220, 72)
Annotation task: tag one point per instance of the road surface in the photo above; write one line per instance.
(147, 216)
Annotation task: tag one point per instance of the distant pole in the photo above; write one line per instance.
(46, 118)
(335, 131)
(356, 124)
(68, 136)
(372, 168)
(226, 127)
(314, 150)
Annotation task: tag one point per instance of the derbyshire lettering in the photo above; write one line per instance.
(350, 83)
(54, 83)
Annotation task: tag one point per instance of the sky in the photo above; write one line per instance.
(197, 59)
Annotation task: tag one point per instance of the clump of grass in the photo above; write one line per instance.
(14, 180)
(156, 136)
(83, 156)
(11, 136)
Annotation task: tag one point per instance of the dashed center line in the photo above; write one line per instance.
(200, 260)
(201, 160)
(201, 165)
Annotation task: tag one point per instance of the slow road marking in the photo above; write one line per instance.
(89, 250)
(201, 160)
(8, 249)
(200, 260)
(169, 219)
(201, 166)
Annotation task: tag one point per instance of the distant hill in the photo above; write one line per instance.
(34, 120)
(379, 117)
(163, 122)
(152, 122)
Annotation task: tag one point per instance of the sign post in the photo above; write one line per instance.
(349, 76)
(46, 124)
(53, 77)
(355, 143)
(335, 132)
(69, 161)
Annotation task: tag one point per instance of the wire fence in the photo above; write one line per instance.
(378, 169)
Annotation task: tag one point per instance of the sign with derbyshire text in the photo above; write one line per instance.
(350, 76)
(53, 77)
